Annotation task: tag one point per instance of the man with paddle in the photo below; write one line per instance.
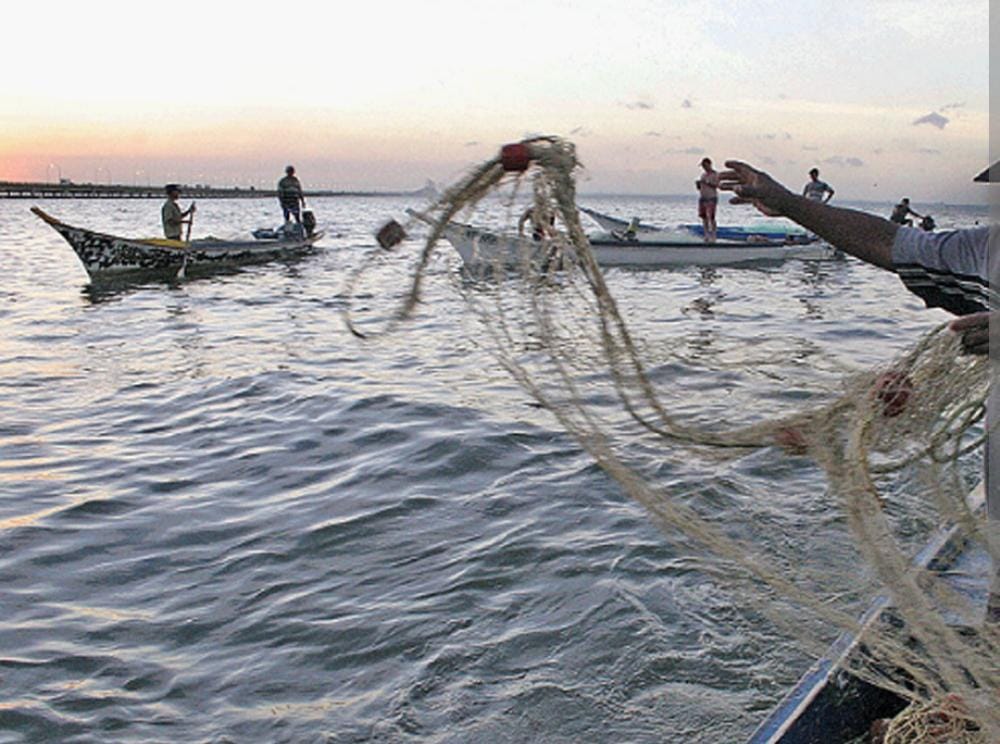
(173, 217)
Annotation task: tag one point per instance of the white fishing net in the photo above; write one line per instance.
(552, 323)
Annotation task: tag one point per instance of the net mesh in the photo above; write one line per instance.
(551, 321)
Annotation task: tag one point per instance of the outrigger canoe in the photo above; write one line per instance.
(829, 705)
(102, 254)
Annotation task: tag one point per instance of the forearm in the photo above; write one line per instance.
(865, 236)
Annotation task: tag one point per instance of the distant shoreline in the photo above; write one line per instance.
(38, 190)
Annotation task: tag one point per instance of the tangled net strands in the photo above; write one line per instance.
(920, 413)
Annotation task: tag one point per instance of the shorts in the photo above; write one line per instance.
(706, 208)
(291, 208)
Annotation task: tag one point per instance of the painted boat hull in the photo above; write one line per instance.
(102, 254)
(644, 232)
(478, 247)
(829, 704)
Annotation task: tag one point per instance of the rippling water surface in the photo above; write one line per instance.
(224, 518)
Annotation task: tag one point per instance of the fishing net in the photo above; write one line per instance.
(551, 321)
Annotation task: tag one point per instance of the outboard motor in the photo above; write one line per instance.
(308, 221)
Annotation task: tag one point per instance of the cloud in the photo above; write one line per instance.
(638, 105)
(841, 160)
(787, 136)
(686, 151)
(686, 103)
(580, 132)
(766, 160)
(928, 151)
(810, 148)
(877, 151)
(767, 136)
(934, 119)
(473, 143)
(951, 106)
(653, 134)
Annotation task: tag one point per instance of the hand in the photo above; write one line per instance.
(752, 186)
(975, 331)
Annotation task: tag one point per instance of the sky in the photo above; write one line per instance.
(888, 98)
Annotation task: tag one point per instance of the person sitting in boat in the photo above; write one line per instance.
(901, 213)
(708, 198)
(173, 217)
(539, 230)
(290, 195)
(817, 190)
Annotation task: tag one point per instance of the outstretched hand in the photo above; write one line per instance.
(975, 332)
(751, 186)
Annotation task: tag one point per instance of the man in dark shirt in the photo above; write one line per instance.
(290, 195)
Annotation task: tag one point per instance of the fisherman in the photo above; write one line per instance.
(817, 190)
(708, 198)
(539, 229)
(901, 213)
(290, 195)
(173, 217)
(950, 269)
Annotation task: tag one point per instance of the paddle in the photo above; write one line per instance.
(187, 239)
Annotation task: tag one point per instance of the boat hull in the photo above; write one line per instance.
(645, 232)
(829, 704)
(478, 247)
(102, 254)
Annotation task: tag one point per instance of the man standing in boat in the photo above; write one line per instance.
(173, 217)
(817, 190)
(290, 195)
(708, 198)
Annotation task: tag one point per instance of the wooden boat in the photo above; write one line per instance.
(103, 254)
(477, 247)
(831, 705)
(644, 231)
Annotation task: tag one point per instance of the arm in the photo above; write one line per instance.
(863, 235)
(829, 194)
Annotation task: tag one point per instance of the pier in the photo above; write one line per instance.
(69, 190)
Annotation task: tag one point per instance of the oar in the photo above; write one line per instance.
(187, 239)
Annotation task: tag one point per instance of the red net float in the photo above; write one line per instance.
(515, 157)
(893, 391)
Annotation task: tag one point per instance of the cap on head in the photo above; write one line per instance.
(289, 169)
(172, 188)
(706, 161)
(814, 172)
(906, 200)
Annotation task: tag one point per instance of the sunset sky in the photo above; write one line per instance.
(887, 97)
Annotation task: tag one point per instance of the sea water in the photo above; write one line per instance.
(225, 518)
